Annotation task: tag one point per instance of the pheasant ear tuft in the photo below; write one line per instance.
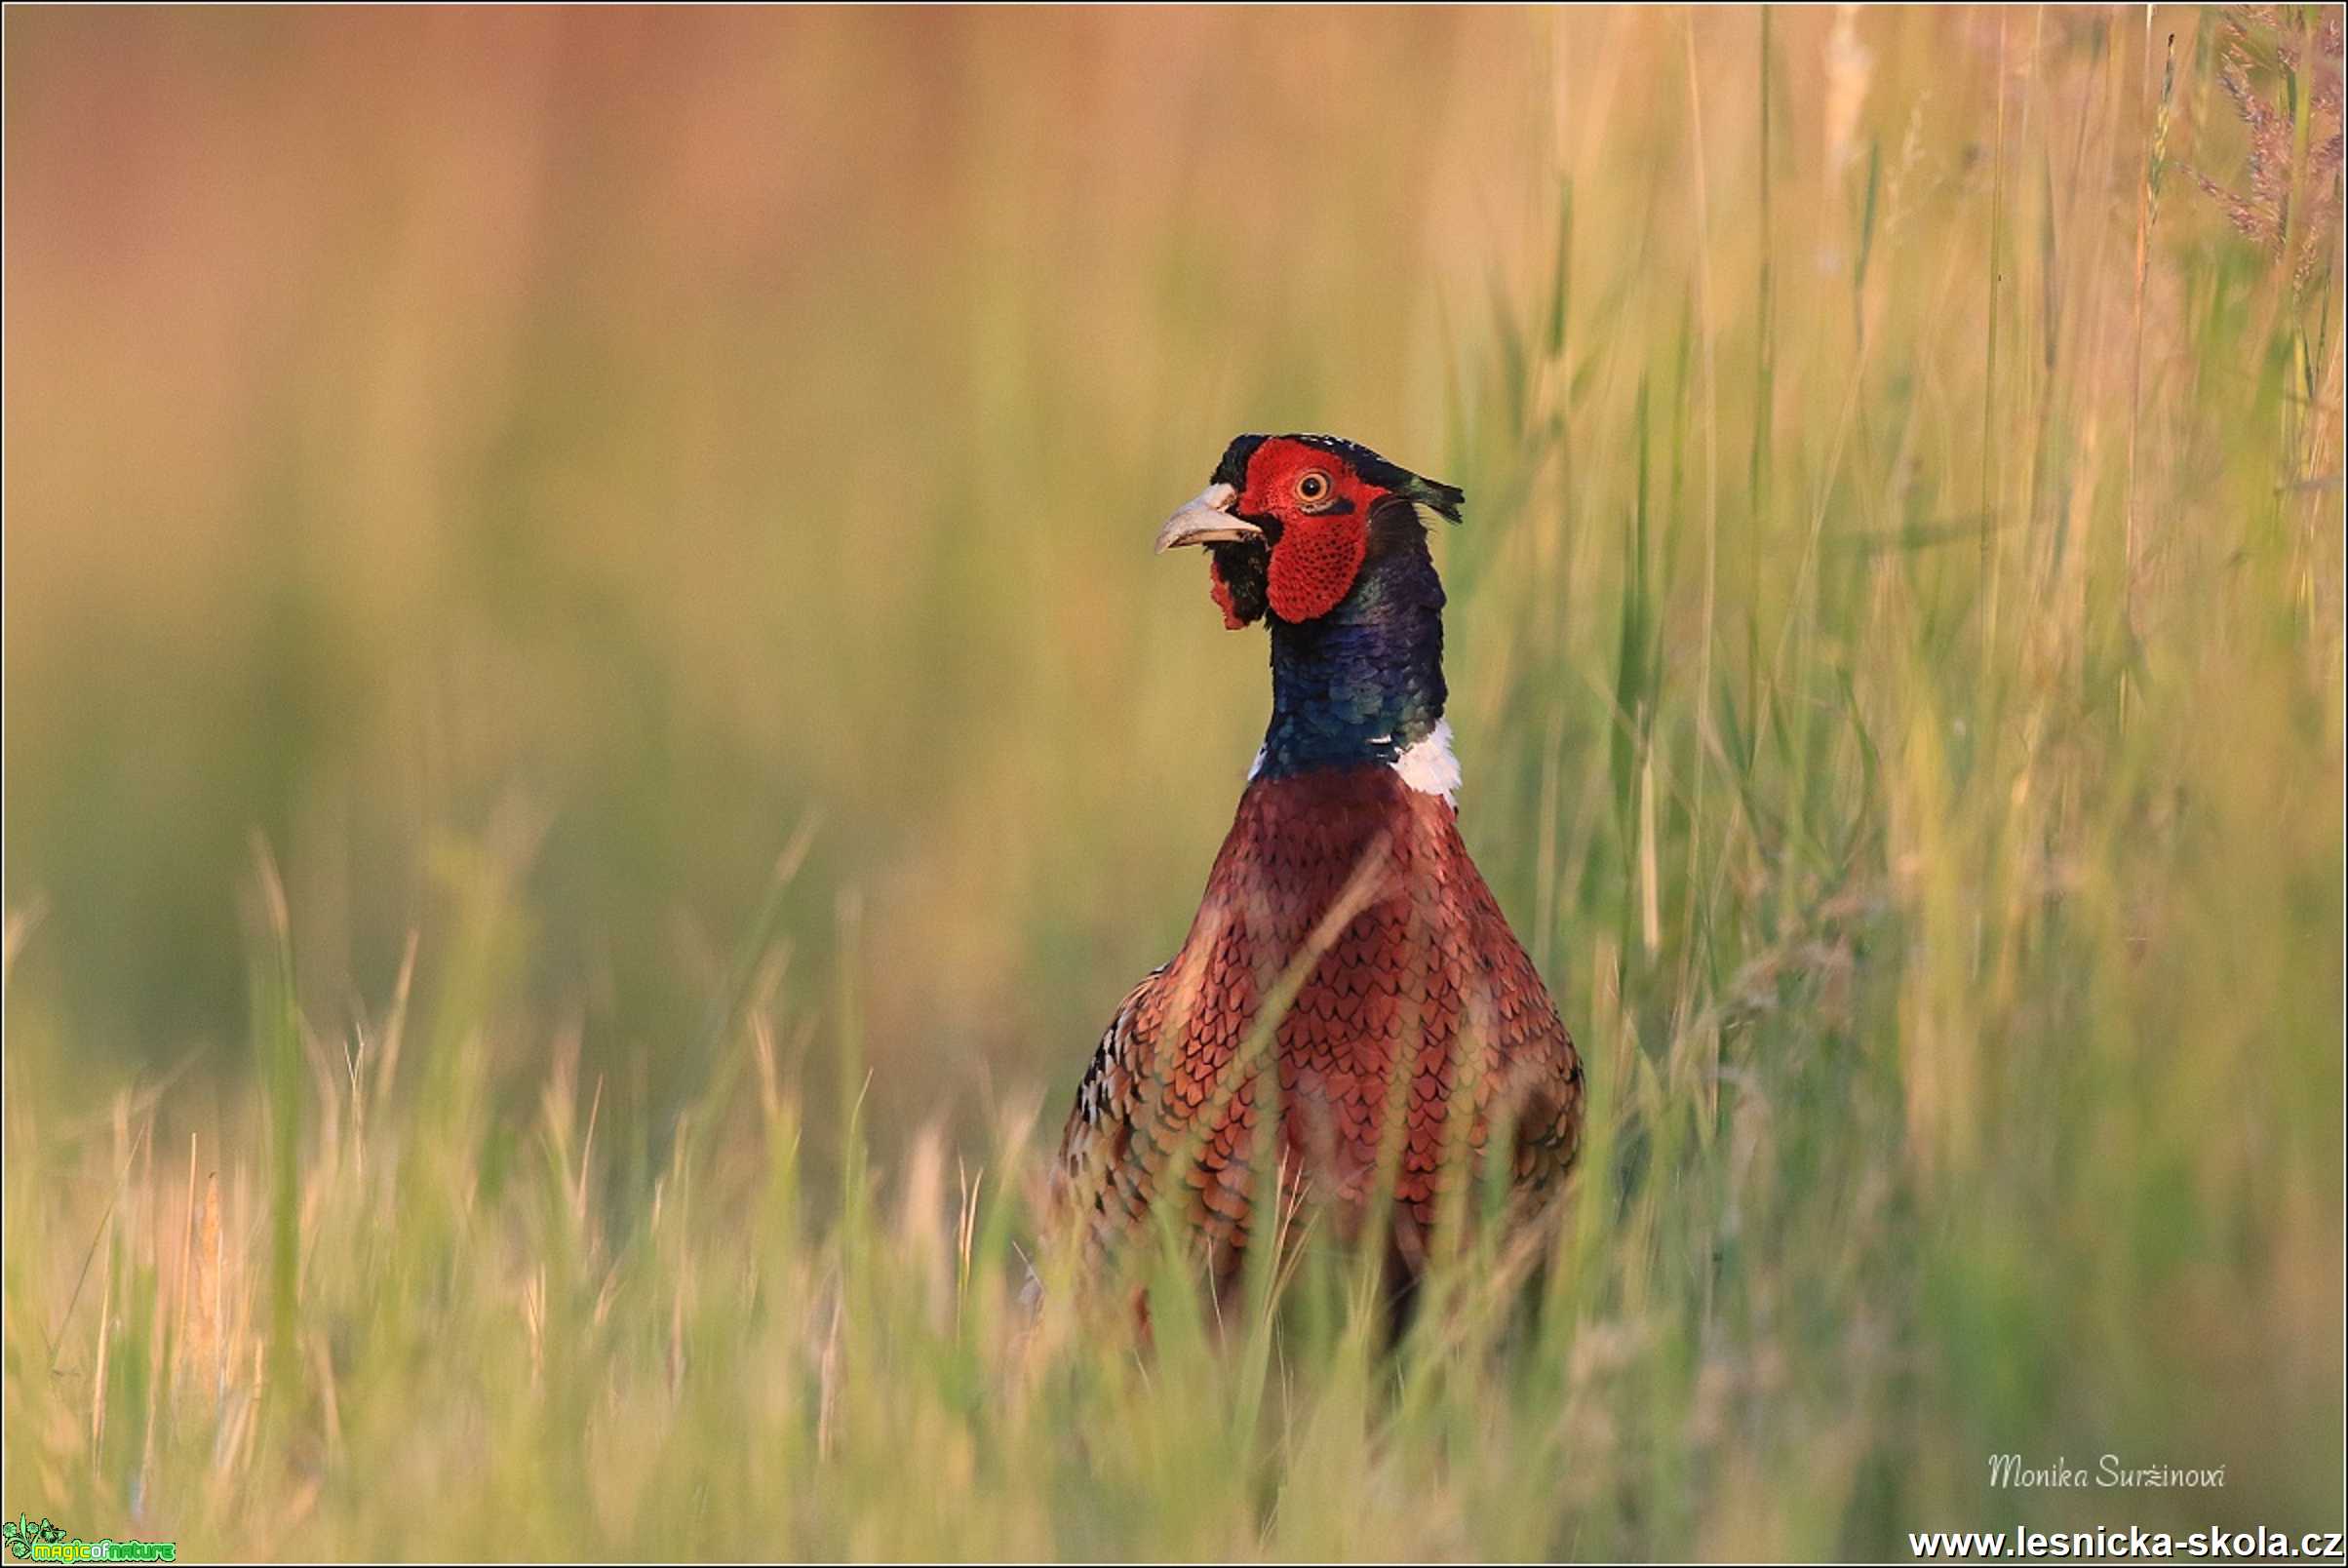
(1435, 495)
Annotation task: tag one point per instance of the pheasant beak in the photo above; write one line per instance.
(1207, 519)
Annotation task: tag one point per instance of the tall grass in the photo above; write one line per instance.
(1895, 647)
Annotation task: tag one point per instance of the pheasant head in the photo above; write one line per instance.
(1322, 539)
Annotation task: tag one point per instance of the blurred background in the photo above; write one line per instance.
(642, 437)
(644, 520)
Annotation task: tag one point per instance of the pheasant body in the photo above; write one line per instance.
(1346, 949)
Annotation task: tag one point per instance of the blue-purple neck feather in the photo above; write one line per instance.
(1364, 682)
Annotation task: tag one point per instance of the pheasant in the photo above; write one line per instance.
(1345, 940)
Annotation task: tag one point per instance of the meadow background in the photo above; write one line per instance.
(592, 735)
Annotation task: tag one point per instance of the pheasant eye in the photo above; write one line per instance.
(1312, 487)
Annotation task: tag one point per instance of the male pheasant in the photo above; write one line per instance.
(1346, 938)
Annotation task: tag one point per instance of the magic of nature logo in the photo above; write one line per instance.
(45, 1540)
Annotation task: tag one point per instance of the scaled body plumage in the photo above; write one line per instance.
(1346, 945)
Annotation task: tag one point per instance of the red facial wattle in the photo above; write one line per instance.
(1323, 538)
(1314, 564)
